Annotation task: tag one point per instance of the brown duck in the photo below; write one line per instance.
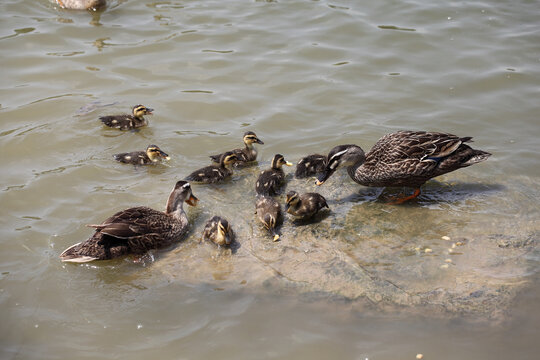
(270, 180)
(245, 155)
(152, 155)
(214, 173)
(136, 230)
(404, 158)
(218, 231)
(126, 121)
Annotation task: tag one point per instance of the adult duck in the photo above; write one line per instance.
(136, 230)
(404, 158)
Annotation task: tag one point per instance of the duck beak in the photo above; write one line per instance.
(324, 176)
(164, 155)
(288, 163)
(192, 200)
(258, 141)
(149, 111)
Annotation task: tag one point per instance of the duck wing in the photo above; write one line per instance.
(134, 222)
(419, 145)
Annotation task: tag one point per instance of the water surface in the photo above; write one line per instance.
(305, 76)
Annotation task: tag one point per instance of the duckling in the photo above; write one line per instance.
(404, 158)
(213, 174)
(136, 230)
(81, 4)
(152, 155)
(270, 180)
(306, 205)
(245, 155)
(128, 122)
(310, 165)
(218, 231)
(269, 213)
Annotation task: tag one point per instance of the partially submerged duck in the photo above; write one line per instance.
(136, 230)
(306, 205)
(269, 213)
(404, 158)
(152, 155)
(81, 4)
(215, 173)
(246, 154)
(310, 165)
(126, 121)
(270, 180)
(219, 231)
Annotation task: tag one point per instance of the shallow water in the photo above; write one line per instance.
(305, 76)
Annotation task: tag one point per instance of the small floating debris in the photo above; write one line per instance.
(444, 266)
(392, 27)
(447, 238)
(428, 250)
(449, 261)
(419, 356)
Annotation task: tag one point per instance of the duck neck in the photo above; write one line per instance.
(351, 169)
(175, 206)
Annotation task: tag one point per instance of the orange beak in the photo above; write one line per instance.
(192, 200)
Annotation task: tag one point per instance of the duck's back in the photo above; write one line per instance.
(410, 158)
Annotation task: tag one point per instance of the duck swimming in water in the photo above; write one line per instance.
(214, 173)
(270, 180)
(310, 165)
(245, 155)
(306, 205)
(404, 158)
(136, 230)
(152, 155)
(269, 213)
(81, 4)
(218, 231)
(128, 122)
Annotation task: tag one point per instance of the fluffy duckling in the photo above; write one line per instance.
(270, 180)
(245, 155)
(136, 230)
(213, 174)
(310, 165)
(128, 122)
(306, 205)
(269, 213)
(81, 4)
(218, 231)
(152, 155)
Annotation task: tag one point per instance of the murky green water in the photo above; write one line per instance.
(305, 76)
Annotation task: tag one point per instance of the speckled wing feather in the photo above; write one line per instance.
(269, 182)
(310, 165)
(242, 154)
(209, 174)
(410, 158)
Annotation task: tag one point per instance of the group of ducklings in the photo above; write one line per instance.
(403, 158)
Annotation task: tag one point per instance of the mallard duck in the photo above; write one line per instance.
(135, 230)
(81, 4)
(218, 231)
(245, 155)
(270, 180)
(128, 122)
(152, 155)
(404, 158)
(310, 165)
(214, 173)
(306, 205)
(269, 213)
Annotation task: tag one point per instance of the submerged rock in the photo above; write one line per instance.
(370, 253)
